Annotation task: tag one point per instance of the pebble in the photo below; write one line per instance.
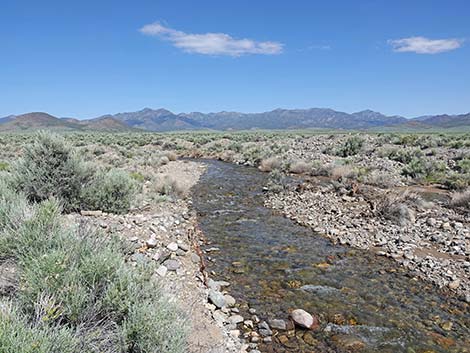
(151, 242)
(162, 270)
(277, 324)
(172, 246)
(172, 265)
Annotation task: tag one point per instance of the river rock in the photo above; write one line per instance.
(172, 246)
(303, 319)
(183, 246)
(235, 319)
(277, 324)
(216, 298)
(172, 265)
(454, 284)
(151, 242)
(229, 300)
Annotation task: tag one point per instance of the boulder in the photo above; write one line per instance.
(304, 319)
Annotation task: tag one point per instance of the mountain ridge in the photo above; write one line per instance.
(163, 120)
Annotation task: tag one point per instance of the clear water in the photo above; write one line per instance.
(275, 265)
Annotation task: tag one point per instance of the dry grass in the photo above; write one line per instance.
(170, 186)
(461, 199)
(400, 208)
(342, 172)
(300, 167)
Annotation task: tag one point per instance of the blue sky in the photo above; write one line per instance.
(87, 58)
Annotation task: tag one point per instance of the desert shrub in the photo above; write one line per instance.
(321, 169)
(399, 207)
(351, 147)
(269, 164)
(50, 168)
(299, 167)
(379, 179)
(276, 181)
(463, 165)
(461, 199)
(172, 156)
(139, 177)
(455, 181)
(4, 166)
(19, 336)
(343, 172)
(77, 293)
(421, 168)
(169, 186)
(111, 191)
(401, 155)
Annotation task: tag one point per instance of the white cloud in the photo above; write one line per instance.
(211, 43)
(422, 45)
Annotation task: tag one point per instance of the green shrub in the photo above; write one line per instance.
(50, 168)
(19, 336)
(464, 165)
(76, 292)
(111, 191)
(4, 166)
(421, 168)
(351, 147)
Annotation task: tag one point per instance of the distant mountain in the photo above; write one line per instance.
(156, 120)
(164, 120)
(445, 121)
(40, 121)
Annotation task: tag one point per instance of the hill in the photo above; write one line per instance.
(43, 121)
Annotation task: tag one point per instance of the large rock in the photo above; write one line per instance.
(216, 298)
(304, 319)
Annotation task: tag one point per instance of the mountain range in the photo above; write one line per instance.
(163, 120)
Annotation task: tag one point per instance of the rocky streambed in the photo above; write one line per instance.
(271, 265)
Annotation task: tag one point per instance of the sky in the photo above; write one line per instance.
(87, 58)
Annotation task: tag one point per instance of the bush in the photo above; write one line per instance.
(351, 147)
(76, 292)
(269, 164)
(276, 181)
(4, 166)
(111, 191)
(50, 168)
(461, 199)
(421, 168)
(169, 186)
(299, 167)
(398, 208)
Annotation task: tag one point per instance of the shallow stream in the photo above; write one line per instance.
(364, 302)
